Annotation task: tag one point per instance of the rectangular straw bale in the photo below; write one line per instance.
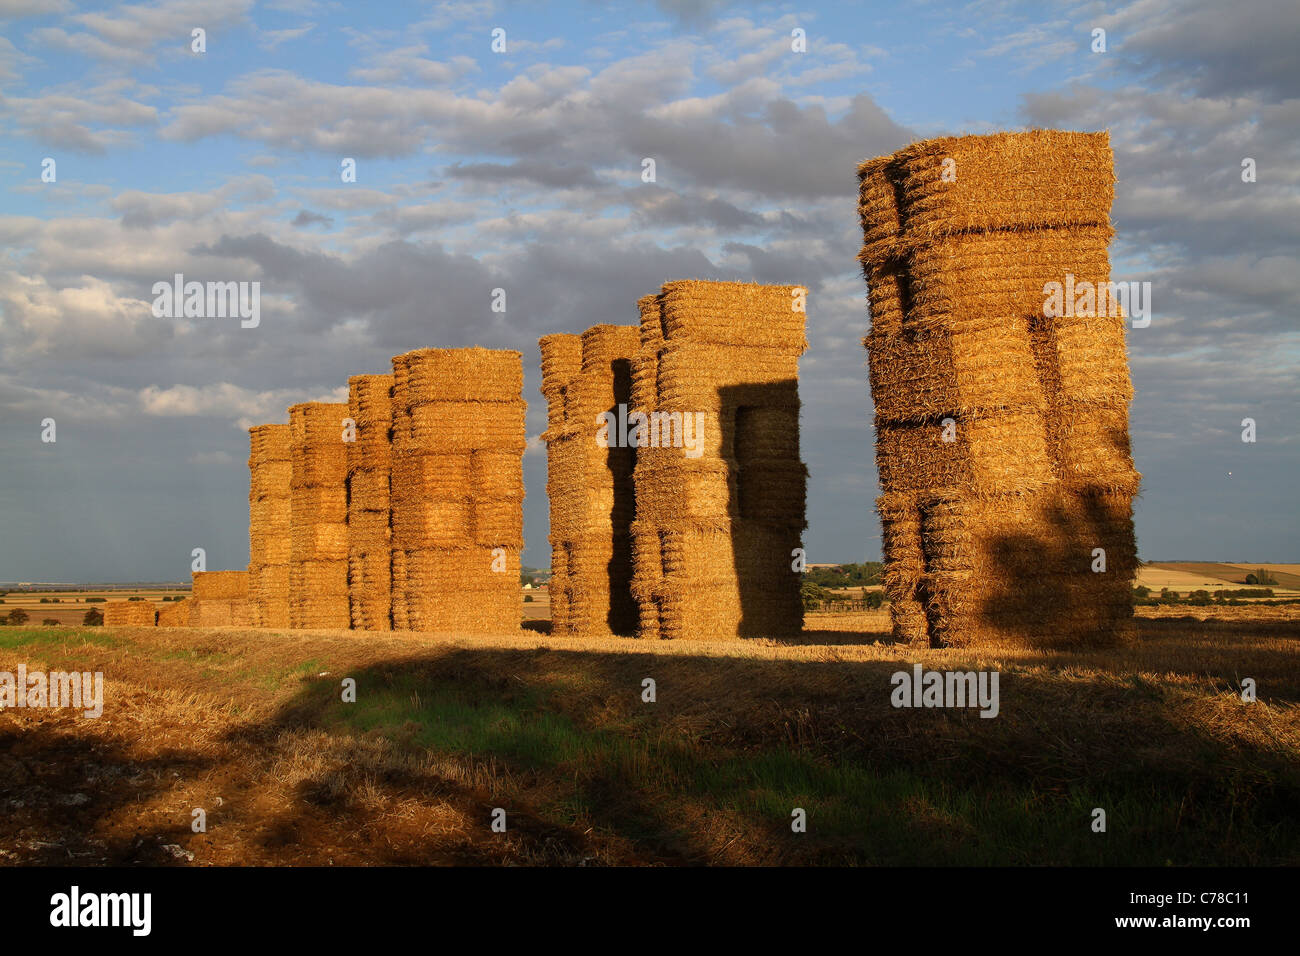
(369, 532)
(368, 490)
(269, 443)
(705, 376)
(498, 522)
(462, 427)
(982, 366)
(497, 474)
(734, 313)
(174, 614)
(462, 375)
(1005, 181)
(1083, 359)
(214, 585)
(269, 479)
(130, 613)
(319, 541)
(433, 523)
(900, 517)
(318, 504)
(976, 276)
(1090, 447)
(992, 453)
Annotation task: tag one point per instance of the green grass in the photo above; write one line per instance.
(639, 779)
(12, 637)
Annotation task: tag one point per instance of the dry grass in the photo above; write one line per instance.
(248, 725)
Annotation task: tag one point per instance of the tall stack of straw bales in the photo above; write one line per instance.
(715, 532)
(370, 404)
(590, 478)
(1001, 433)
(269, 524)
(318, 571)
(457, 489)
(219, 599)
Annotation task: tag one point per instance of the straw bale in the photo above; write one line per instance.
(368, 491)
(214, 585)
(311, 504)
(130, 613)
(974, 276)
(1005, 181)
(463, 568)
(645, 364)
(369, 532)
(432, 522)
(993, 453)
(702, 490)
(174, 614)
(220, 612)
(931, 374)
(733, 313)
(459, 427)
(499, 522)
(401, 621)
(269, 548)
(370, 591)
(370, 399)
(272, 515)
(462, 375)
(465, 613)
(314, 424)
(561, 359)
(320, 541)
(418, 473)
(1090, 447)
(497, 474)
(269, 479)
(269, 443)
(597, 591)
(1083, 359)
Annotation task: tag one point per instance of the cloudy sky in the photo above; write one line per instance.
(522, 170)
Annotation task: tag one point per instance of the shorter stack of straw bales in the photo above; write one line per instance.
(219, 599)
(269, 524)
(130, 613)
(1001, 432)
(174, 614)
(318, 572)
(590, 479)
(715, 535)
(370, 404)
(457, 489)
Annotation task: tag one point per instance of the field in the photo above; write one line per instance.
(250, 727)
(1189, 575)
(72, 605)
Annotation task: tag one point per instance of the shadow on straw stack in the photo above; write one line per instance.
(130, 613)
(270, 470)
(457, 489)
(318, 570)
(1001, 434)
(220, 599)
(716, 529)
(589, 479)
(370, 401)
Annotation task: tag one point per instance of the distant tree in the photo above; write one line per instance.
(18, 616)
(1142, 591)
(813, 595)
(49, 621)
(45, 600)
(528, 599)
(135, 598)
(94, 617)
(875, 599)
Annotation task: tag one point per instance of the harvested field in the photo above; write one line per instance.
(248, 724)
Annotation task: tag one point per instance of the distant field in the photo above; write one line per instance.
(1188, 575)
(72, 606)
(250, 726)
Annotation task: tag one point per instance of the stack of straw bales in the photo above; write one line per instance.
(130, 613)
(269, 524)
(370, 403)
(318, 568)
(589, 479)
(714, 535)
(457, 489)
(990, 535)
(220, 599)
(174, 613)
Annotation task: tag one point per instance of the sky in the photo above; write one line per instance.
(521, 170)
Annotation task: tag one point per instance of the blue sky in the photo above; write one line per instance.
(522, 170)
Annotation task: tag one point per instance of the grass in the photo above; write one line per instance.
(555, 731)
